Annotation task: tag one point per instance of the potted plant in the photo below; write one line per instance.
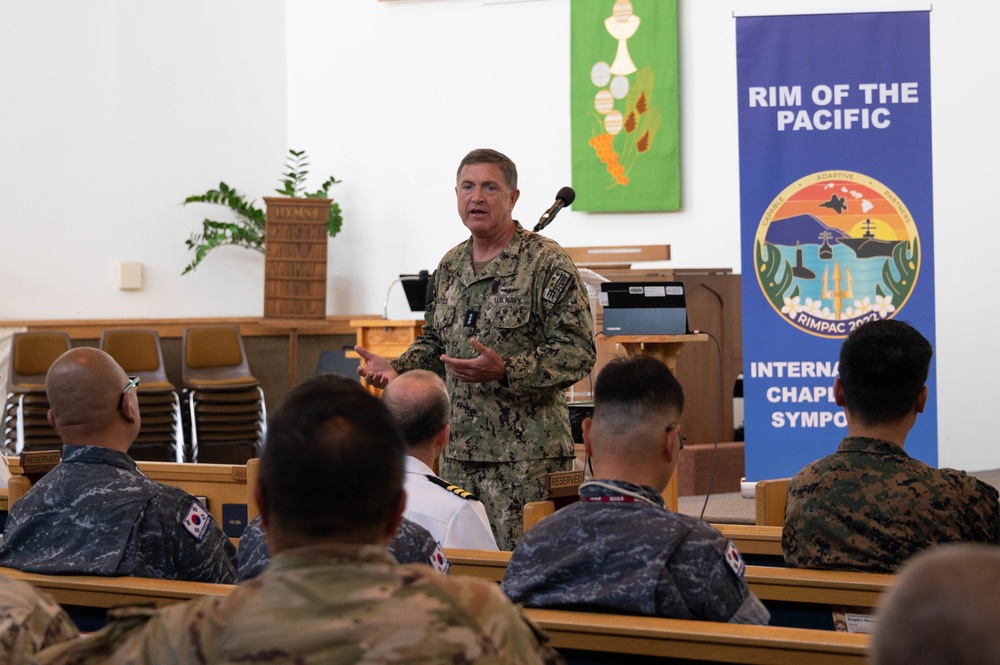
(292, 235)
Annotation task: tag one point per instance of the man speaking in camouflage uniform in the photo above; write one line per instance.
(869, 506)
(619, 549)
(510, 328)
(96, 513)
(331, 493)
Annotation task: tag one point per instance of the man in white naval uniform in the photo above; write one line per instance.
(419, 402)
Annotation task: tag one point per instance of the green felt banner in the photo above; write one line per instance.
(623, 89)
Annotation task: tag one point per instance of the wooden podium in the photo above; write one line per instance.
(665, 348)
(387, 338)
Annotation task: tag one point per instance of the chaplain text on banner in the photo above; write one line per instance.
(836, 216)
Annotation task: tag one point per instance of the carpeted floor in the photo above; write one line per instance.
(733, 508)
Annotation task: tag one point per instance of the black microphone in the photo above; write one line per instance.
(563, 199)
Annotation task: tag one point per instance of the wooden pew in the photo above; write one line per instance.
(106, 592)
(797, 585)
(769, 501)
(579, 631)
(219, 483)
(698, 640)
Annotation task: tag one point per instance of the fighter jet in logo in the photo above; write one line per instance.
(835, 203)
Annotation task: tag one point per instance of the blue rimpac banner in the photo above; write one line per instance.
(836, 216)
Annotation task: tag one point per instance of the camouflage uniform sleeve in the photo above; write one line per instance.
(568, 352)
(515, 638)
(253, 554)
(100, 647)
(983, 513)
(711, 579)
(180, 551)
(29, 622)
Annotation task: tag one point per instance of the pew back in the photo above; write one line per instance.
(611, 634)
(770, 501)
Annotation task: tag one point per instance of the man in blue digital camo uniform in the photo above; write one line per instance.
(619, 549)
(509, 327)
(411, 544)
(96, 513)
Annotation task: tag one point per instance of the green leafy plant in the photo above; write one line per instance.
(248, 226)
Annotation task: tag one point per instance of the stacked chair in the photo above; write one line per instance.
(26, 423)
(225, 401)
(161, 437)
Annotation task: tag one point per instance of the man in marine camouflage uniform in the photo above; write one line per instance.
(510, 328)
(29, 621)
(96, 513)
(619, 549)
(869, 506)
(331, 493)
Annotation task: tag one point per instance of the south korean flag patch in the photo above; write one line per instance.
(734, 560)
(197, 521)
(438, 561)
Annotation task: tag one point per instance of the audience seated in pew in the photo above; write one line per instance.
(619, 548)
(96, 513)
(330, 494)
(29, 621)
(419, 402)
(870, 506)
(943, 609)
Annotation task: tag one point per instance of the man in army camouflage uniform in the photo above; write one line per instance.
(869, 505)
(331, 493)
(96, 513)
(619, 549)
(510, 328)
(29, 621)
(411, 544)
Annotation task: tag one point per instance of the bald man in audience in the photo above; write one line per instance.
(29, 621)
(419, 402)
(619, 548)
(943, 609)
(96, 513)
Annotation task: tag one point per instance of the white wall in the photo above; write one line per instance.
(152, 102)
(111, 113)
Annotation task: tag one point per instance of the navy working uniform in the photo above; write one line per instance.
(530, 306)
(96, 513)
(619, 549)
(455, 517)
(411, 544)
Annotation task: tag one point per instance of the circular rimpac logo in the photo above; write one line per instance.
(836, 249)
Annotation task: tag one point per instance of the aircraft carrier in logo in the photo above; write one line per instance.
(836, 249)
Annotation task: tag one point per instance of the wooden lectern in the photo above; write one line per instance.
(665, 348)
(387, 338)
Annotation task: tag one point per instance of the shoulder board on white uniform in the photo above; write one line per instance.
(454, 489)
